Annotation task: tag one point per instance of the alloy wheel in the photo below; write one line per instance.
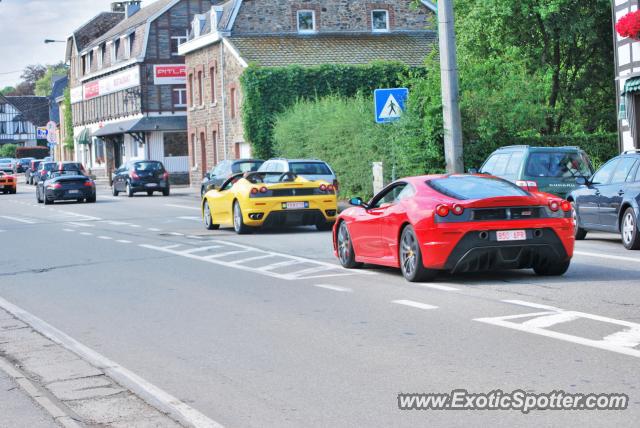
(408, 253)
(628, 228)
(237, 217)
(207, 214)
(344, 244)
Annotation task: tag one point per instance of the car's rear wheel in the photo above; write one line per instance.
(92, 199)
(114, 192)
(238, 220)
(410, 256)
(346, 255)
(629, 230)
(38, 196)
(129, 190)
(46, 201)
(149, 192)
(208, 218)
(551, 268)
(579, 232)
(166, 192)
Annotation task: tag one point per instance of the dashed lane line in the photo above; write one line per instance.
(607, 256)
(123, 241)
(68, 230)
(86, 233)
(81, 224)
(334, 288)
(438, 287)
(106, 238)
(186, 207)
(413, 304)
(19, 220)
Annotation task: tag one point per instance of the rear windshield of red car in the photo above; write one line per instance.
(473, 187)
(309, 168)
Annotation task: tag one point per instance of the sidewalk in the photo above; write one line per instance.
(18, 409)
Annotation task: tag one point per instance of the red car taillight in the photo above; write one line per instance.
(134, 174)
(323, 188)
(442, 210)
(554, 205)
(565, 206)
(458, 209)
(88, 184)
(254, 191)
(165, 176)
(263, 190)
(55, 186)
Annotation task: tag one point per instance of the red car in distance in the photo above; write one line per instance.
(456, 223)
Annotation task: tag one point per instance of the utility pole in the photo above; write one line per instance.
(453, 150)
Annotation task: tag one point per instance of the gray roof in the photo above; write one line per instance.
(145, 124)
(33, 109)
(410, 48)
(96, 26)
(137, 19)
(56, 92)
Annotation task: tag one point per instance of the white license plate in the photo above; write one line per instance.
(73, 192)
(152, 185)
(295, 205)
(511, 235)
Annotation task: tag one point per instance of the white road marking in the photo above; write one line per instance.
(170, 247)
(413, 304)
(190, 218)
(86, 233)
(250, 259)
(106, 238)
(82, 217)
(19, 220)
(81, 224)
(68, 230)
(147, 391)
(607, 256)
(311, 270)
(153, 229)
(123, 241)
(280, 264)
(334, 288)
(621, 342)
(134, 225)
(195, 237)
(175, 234)
(117, 223)
(221, 255)
(438, 287)
(200, 249)
(186, 207)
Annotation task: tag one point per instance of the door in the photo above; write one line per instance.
(612, 194)
(588, 199)
(366, 231)
(222, 204)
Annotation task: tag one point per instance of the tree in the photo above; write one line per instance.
(8, 150)
(30, 75)
(565, 47)
(43, 85)
(68, 120)
(7, 90)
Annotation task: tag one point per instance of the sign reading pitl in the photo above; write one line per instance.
(170, 74)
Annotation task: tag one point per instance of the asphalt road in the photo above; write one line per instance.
(267, 329)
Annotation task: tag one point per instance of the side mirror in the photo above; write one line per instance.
(211, 187)
(472, 171)
(358, 202)
(207, 176)
(581, 181)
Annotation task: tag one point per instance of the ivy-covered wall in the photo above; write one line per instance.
(270, 91)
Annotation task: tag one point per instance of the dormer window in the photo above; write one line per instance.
(306, 21)
(197, 25)
(87, 63)
(115, 47)
(177, 41)
(128, 45)
(380, 21)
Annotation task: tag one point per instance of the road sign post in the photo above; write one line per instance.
(390, 104)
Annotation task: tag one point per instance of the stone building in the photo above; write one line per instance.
(272, 33)
(127, 85)
(20, 117)
(627, 63)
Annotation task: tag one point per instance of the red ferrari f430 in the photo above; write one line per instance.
(456, 223)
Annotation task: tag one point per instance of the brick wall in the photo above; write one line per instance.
(206, 115)
(331, 15)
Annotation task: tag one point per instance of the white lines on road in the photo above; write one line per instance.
(106, 238)
(134, 225)
(147, 391)
(68, 230)
(123, 241)
(280, 261)
(81, 224)
(607, 256)
(86, 233)
(186, 207)
(621, 342)
(190, 218)
(438, 287)
(19, 220)
(413, 304)
(81, 217)
(175, 234)
(201, 249)
(334, 288)
(153, 229)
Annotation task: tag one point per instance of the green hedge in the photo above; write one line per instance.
(33, 152)
(270, 91)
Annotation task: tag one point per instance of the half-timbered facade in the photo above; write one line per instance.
(20, 117)
(128, 85)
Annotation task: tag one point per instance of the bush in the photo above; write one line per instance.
(33, 152)
(8, 151)
(270, 91)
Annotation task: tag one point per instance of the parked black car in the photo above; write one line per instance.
(65, 186)
(140, 176)
(226, 169)
(609, 201)
(21, 165)
(31, 171)
(43, 169)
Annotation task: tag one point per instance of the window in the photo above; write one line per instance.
(557, 165)
(472, 187)
(380, 21)
(175, 144)
(115, 47)
(212, 76)
(19, 127)
(214, 140)
(497, 165)
(306, 21)
(233, 102)
(2, 128)
(87, 63)
(392, 195)
(513, 166)
(175, 42)
(193, 149)
(200, 89)
(309, 168)
(622, 170)
(638, 175)
(238, 167)
(603, 175)
(180, 97)
(191, 102)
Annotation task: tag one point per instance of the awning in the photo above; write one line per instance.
(84, 137)
(632, 85)
(145, 124)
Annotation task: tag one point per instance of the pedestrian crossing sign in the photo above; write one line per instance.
(390, 104)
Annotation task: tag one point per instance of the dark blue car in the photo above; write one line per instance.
(609, 201)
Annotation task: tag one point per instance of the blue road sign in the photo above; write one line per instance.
(390, 103)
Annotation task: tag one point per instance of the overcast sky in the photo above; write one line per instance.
(24, 24)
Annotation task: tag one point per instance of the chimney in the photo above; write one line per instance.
(129, 7)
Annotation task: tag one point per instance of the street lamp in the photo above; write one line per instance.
(47, 41)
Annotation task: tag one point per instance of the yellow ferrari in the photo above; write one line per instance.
(256, 199)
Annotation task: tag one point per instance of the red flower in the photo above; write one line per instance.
(629, 25)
